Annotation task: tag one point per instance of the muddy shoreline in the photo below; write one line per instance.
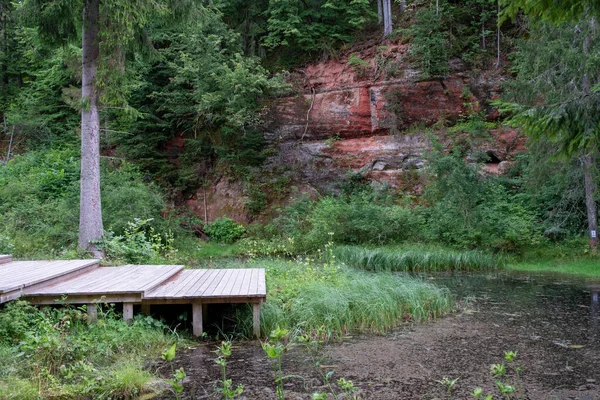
(554, 326)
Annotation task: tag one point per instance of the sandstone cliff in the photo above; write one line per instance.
(368, 112)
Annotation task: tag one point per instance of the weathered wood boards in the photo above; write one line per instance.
(5, 258)
(211, 284)
(18, 276)
(111, 284)
(203, 286)
(85, 282)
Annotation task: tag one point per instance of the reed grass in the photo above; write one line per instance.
(332, 301)
(427, 259)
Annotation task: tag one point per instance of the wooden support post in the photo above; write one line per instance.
(197, 319)
(146, 309)
(256, 319)
(92, 312)
(127, 312)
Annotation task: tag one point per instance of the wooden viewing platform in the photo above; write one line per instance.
(85, 282)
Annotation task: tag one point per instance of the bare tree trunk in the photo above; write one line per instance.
(588, 161)
(387, 18)
(402, 5)
(498, 37)
(90, 211)
(380, 11)
(483, 34)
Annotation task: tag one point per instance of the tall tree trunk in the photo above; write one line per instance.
(90, 211)
(402, 5)
(498, 36)
(588, 161)
(483, 33)
(387, 18)
(380, 11)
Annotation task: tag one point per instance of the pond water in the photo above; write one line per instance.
(552, 323)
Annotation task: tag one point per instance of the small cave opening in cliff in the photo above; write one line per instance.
(492, 163)
(492, 157)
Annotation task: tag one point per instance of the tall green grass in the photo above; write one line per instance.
(332, 300)
(415, 259)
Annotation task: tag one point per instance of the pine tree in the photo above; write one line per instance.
(557, 69)
(108, 28)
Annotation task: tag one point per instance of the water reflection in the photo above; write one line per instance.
(595, 313)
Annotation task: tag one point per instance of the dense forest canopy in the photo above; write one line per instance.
(206, 71)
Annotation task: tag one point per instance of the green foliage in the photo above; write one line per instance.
(357, 219)
(552, 187)
(55, 353)
(314, 25)
(177, 376)
(472, 210)
(566, 10)
(139, 244)
(201, 88)
(224, 230)
(6, 246)
(359, 65)
(226, 389)
(275, 347)
(556, 69)
(415, 259)
(430, 45)
(39, 200)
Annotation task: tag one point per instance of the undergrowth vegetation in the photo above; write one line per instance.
(55, 353)
(39, 200)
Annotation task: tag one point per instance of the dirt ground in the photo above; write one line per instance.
(554, 326)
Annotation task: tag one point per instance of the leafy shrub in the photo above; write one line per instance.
(16, 319)
(57, 351)
(472, 210)
(429, 45)
(357, 219)
(6, 246)
(224, 230)
(139, 243)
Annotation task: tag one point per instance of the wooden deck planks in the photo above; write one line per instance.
(211, 284)
(5, 258)
(24, 271)
(22, 274)
(111, 280)
(84, 280)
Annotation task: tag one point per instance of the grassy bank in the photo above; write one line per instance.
(585, 267)
(416, 259)
(327, 299)
(54, 353)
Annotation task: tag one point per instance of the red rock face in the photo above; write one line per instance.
(354, 119)
(339, 100)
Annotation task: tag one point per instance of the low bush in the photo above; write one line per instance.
(224, 230)
(356, 219)
(416, 259)
(140, 243)
(471, 210)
